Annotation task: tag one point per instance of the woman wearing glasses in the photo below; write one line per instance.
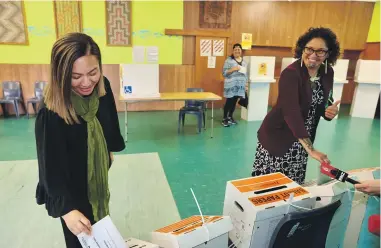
(286, 136)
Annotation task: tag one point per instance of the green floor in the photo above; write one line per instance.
(192, 160)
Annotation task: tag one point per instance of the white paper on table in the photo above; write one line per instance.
(242, 69)
(205, 47)
(104, 234)
(153, 54)
(211, 62)
(138, 54)
(218, 47)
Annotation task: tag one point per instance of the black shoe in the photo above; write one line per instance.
(225, 123)
(232, 121)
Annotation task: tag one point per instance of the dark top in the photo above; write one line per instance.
(284, 124)
(62, 156)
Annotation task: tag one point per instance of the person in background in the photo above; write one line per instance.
(234, 72)
(76, 130)
(286, 136)
(370, 187)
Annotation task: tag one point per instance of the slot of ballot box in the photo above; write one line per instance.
(270, 190)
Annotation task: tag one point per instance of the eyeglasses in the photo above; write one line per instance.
(319, 52)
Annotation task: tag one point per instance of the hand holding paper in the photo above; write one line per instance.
(104, 235)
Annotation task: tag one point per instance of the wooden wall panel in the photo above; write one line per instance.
(172, 78)
(371, 51)
(277, 25)
(280, 23)
(210, 79)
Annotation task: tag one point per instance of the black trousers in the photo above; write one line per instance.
(230, 105)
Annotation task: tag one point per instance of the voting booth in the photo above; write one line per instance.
(367, 91)
(260, 73)
(363, 206)
(193, 233)
(328, 193)
(257, 206)
(139, 80)
(340, 79)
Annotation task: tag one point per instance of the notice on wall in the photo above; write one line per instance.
(205, 47)
(211, 62)
(153, 54)
(246, 41)
(218, 47)
(138, 54)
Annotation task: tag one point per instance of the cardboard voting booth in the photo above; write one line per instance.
(139, 80)
(340, 78)
(191, 233)
(136, 243)
(367, 91)
(328, 193)
(357, 233)
(256, 205)
(260, 73)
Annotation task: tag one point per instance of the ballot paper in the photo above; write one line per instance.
(242, 69)
(104, 234)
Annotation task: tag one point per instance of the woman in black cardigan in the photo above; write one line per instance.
(77, 130)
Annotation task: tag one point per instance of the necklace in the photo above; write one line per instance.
(313, 80)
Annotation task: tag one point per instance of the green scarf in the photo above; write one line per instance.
(97, 154)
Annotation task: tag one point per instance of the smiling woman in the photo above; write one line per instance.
(286, 136)
(76, 130)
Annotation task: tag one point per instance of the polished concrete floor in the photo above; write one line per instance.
(188, 160)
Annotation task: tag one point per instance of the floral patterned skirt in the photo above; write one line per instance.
(293, 164)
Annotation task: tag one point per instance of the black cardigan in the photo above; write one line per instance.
(62, 156)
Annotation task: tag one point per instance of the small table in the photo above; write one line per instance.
(173, 96)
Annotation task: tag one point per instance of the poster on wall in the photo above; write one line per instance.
(211, 62)
(218, 47)
(153, 54)
(205, 47)
(138, 54)
(246, 41)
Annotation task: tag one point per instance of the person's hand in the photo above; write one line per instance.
(370, 187)
(77, 222)
(319, 156)
(235, 68)
(332, 110)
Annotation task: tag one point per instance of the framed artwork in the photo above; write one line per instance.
(118, 23)
(13, 28)
(68, 17)
(215, 14)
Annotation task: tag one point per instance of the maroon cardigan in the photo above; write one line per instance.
(284, 124)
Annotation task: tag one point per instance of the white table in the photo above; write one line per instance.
(173, 96)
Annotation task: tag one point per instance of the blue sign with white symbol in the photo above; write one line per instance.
(127, 89)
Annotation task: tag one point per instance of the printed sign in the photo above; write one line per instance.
(205, 47)
(246, 41)
(278, 196)
(128, 89)
(218, 47)
(262, 69)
